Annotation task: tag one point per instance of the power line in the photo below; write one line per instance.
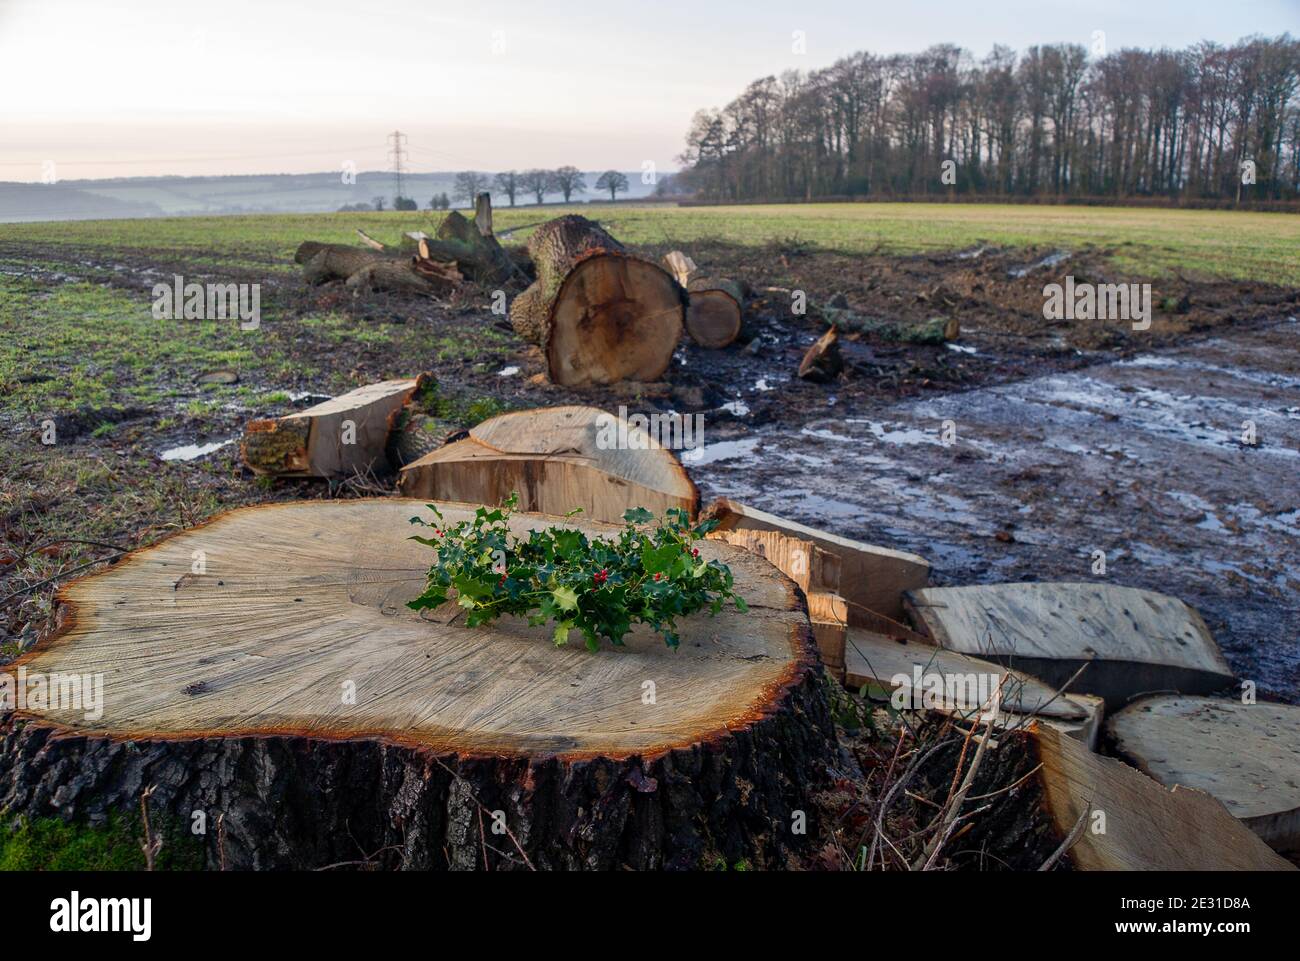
(397, 154)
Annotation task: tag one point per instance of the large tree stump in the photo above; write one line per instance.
(599, 314)
(263, 669)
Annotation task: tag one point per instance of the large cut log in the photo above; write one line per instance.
(891, 663)
(337, 438)
(716, 305)
(599, 314)
(1132, 641)
(1246, 755)
(556, 459)
(871, 578)
(284, 689)
(1128, 822)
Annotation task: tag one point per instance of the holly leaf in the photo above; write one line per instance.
(566, 598)
(638, 515)
(656, 560)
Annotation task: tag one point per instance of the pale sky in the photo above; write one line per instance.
(117, 88)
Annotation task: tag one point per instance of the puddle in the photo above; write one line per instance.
(722, 450)
(193, 451)
(1051, 260)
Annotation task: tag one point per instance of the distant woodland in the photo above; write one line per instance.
(1210, 122)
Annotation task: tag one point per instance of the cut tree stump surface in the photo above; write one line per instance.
(1246, 755)
(224, 691)
(1133, 641)
(300, 598)
(553, 458)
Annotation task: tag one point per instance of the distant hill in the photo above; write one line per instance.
(263, 193)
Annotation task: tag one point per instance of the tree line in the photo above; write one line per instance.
(1210, 121)
(536, 183)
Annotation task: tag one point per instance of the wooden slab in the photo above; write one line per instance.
(553, 458)
(337, 438)
(1147, 827)
(298, 599)
(1133, 641)
(870, 577)
(1246, 755)
(873, 658)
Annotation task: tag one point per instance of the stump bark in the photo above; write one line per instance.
(282, 688)
(599, 314)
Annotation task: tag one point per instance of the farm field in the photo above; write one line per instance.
(1154, 243)
(1074, 435)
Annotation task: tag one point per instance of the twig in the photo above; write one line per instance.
(1071, 839)
(57, 577)
(150, 845)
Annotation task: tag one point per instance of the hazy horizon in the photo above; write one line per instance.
(142, 89)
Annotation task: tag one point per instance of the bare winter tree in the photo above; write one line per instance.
(537, 182)
(468, 185)
(613, 181)
(569, 181)
(509, 183)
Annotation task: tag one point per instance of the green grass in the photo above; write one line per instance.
(1230, 244)
(50, 844)
(97, 347)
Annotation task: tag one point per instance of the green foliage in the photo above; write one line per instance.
(598, 587)
(51, 844)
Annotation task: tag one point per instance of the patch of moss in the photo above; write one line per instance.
(51, 844)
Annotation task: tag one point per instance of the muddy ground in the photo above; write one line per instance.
(1071, 437)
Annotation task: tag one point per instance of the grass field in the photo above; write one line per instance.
(1142, 241)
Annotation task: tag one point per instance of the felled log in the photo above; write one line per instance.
(1128, 641)
(823, 361)
(871, 578)
(336, 438)
(472, 245)
(716, 305)
(557, 459)
(365, 268)
(1246, 755)
(1124, 821)
(599, 314)
(416, 434)
(936, 330)
(873, 658)
(285, 690)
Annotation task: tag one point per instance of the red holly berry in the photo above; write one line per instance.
(657, 576)
(601, 576)
(695, 552)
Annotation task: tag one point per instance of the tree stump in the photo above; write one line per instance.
(263, 669)
(599, 314)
